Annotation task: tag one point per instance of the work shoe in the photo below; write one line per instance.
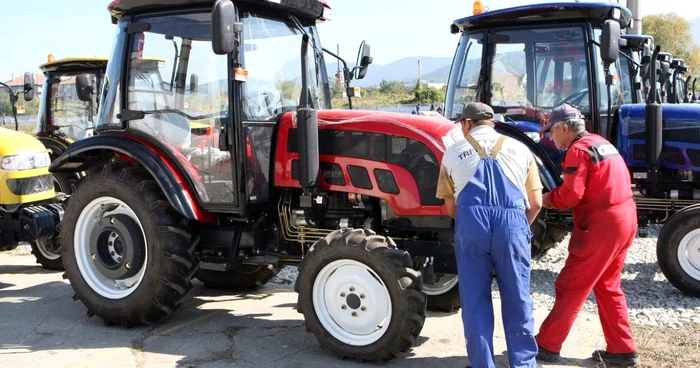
(628, 360)
(546, 355)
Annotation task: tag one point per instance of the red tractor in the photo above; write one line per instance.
(281, 179)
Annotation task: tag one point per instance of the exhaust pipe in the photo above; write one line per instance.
(653, 133)
(307, 129)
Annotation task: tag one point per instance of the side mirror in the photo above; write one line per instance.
(610, 42)
(194, 83)
(223, 27)
(363, 60)
(84, 88)
(28, 86)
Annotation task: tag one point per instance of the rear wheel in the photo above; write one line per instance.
(360, 296)
(243, 277)
(678, 250)
(127, 253)
(46, 253)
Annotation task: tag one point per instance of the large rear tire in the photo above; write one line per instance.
(127, 252)
(360, 296)
(242, 278)
(678, 250)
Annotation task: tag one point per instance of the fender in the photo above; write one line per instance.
(93, 151)
(552, 178)
(56, 145)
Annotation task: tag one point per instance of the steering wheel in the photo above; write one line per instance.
(254, 108)
(576, 96)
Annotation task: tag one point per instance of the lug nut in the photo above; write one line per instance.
(354, 314)
(344, 307)
(342, 295)
(362, 296)
(111, 220)
(113, 235)
(119, 259)
(111, 253)
(364, 309)
(128, 266)
(352, 289)
(110, 243)
(94, 257)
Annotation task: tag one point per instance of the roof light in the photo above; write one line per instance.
(478, 7)
(616, 13)
(50, 58)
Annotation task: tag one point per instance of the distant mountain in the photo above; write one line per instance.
(434, 69)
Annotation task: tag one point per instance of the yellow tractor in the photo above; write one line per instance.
(30, 209)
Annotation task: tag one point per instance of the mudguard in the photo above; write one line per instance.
(55, 145)
(90, 152)
(551, 178)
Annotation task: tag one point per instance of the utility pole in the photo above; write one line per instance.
(419, 73)
(635, 7)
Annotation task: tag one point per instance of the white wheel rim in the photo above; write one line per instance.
(45, 252)
(106, 287)
(689, 254)
(340, 314)
(444, 284)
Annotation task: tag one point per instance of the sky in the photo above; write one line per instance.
(32, 29)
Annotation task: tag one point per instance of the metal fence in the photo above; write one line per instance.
(403, 108)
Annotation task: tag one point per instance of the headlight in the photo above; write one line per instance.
(26, 161)
(534, 136)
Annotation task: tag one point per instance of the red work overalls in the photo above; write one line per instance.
(597, 187)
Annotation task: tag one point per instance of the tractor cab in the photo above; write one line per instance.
(635, 61)
(526, 60)
(69, 102)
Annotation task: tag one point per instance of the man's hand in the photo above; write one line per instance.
(545, 201)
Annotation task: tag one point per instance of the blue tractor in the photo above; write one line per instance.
(526, 60)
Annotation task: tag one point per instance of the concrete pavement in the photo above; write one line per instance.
(41, 326)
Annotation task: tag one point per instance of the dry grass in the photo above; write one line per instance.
(666, 347)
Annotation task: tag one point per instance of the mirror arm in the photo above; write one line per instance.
(346, 75)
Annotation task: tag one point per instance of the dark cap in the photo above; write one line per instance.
(477, 111)
(561, 113)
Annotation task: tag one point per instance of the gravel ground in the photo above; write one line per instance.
(652, 300)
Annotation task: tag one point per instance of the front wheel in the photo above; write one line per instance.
(678, 250)
(46, 253)
(360, 296)
(127, 253)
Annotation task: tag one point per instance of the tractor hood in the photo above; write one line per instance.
(430, 129)
(13, 143)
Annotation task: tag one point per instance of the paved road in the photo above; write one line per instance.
(41, 326)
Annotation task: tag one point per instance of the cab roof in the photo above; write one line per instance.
(596, 13)
(74, 63)
(636, 42)
(121, 8)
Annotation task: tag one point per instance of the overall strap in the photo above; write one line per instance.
(481, 151)
(497, 147)
(476, 146)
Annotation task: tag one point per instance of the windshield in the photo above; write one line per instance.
(176, 79)
(74, 117)
(532, 71)
(272, 57)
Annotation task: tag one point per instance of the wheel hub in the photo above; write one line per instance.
(116, 246)
(352, 302)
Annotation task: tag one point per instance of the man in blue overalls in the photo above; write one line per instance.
(491, 186)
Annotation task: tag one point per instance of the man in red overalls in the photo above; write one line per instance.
(597, 187)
